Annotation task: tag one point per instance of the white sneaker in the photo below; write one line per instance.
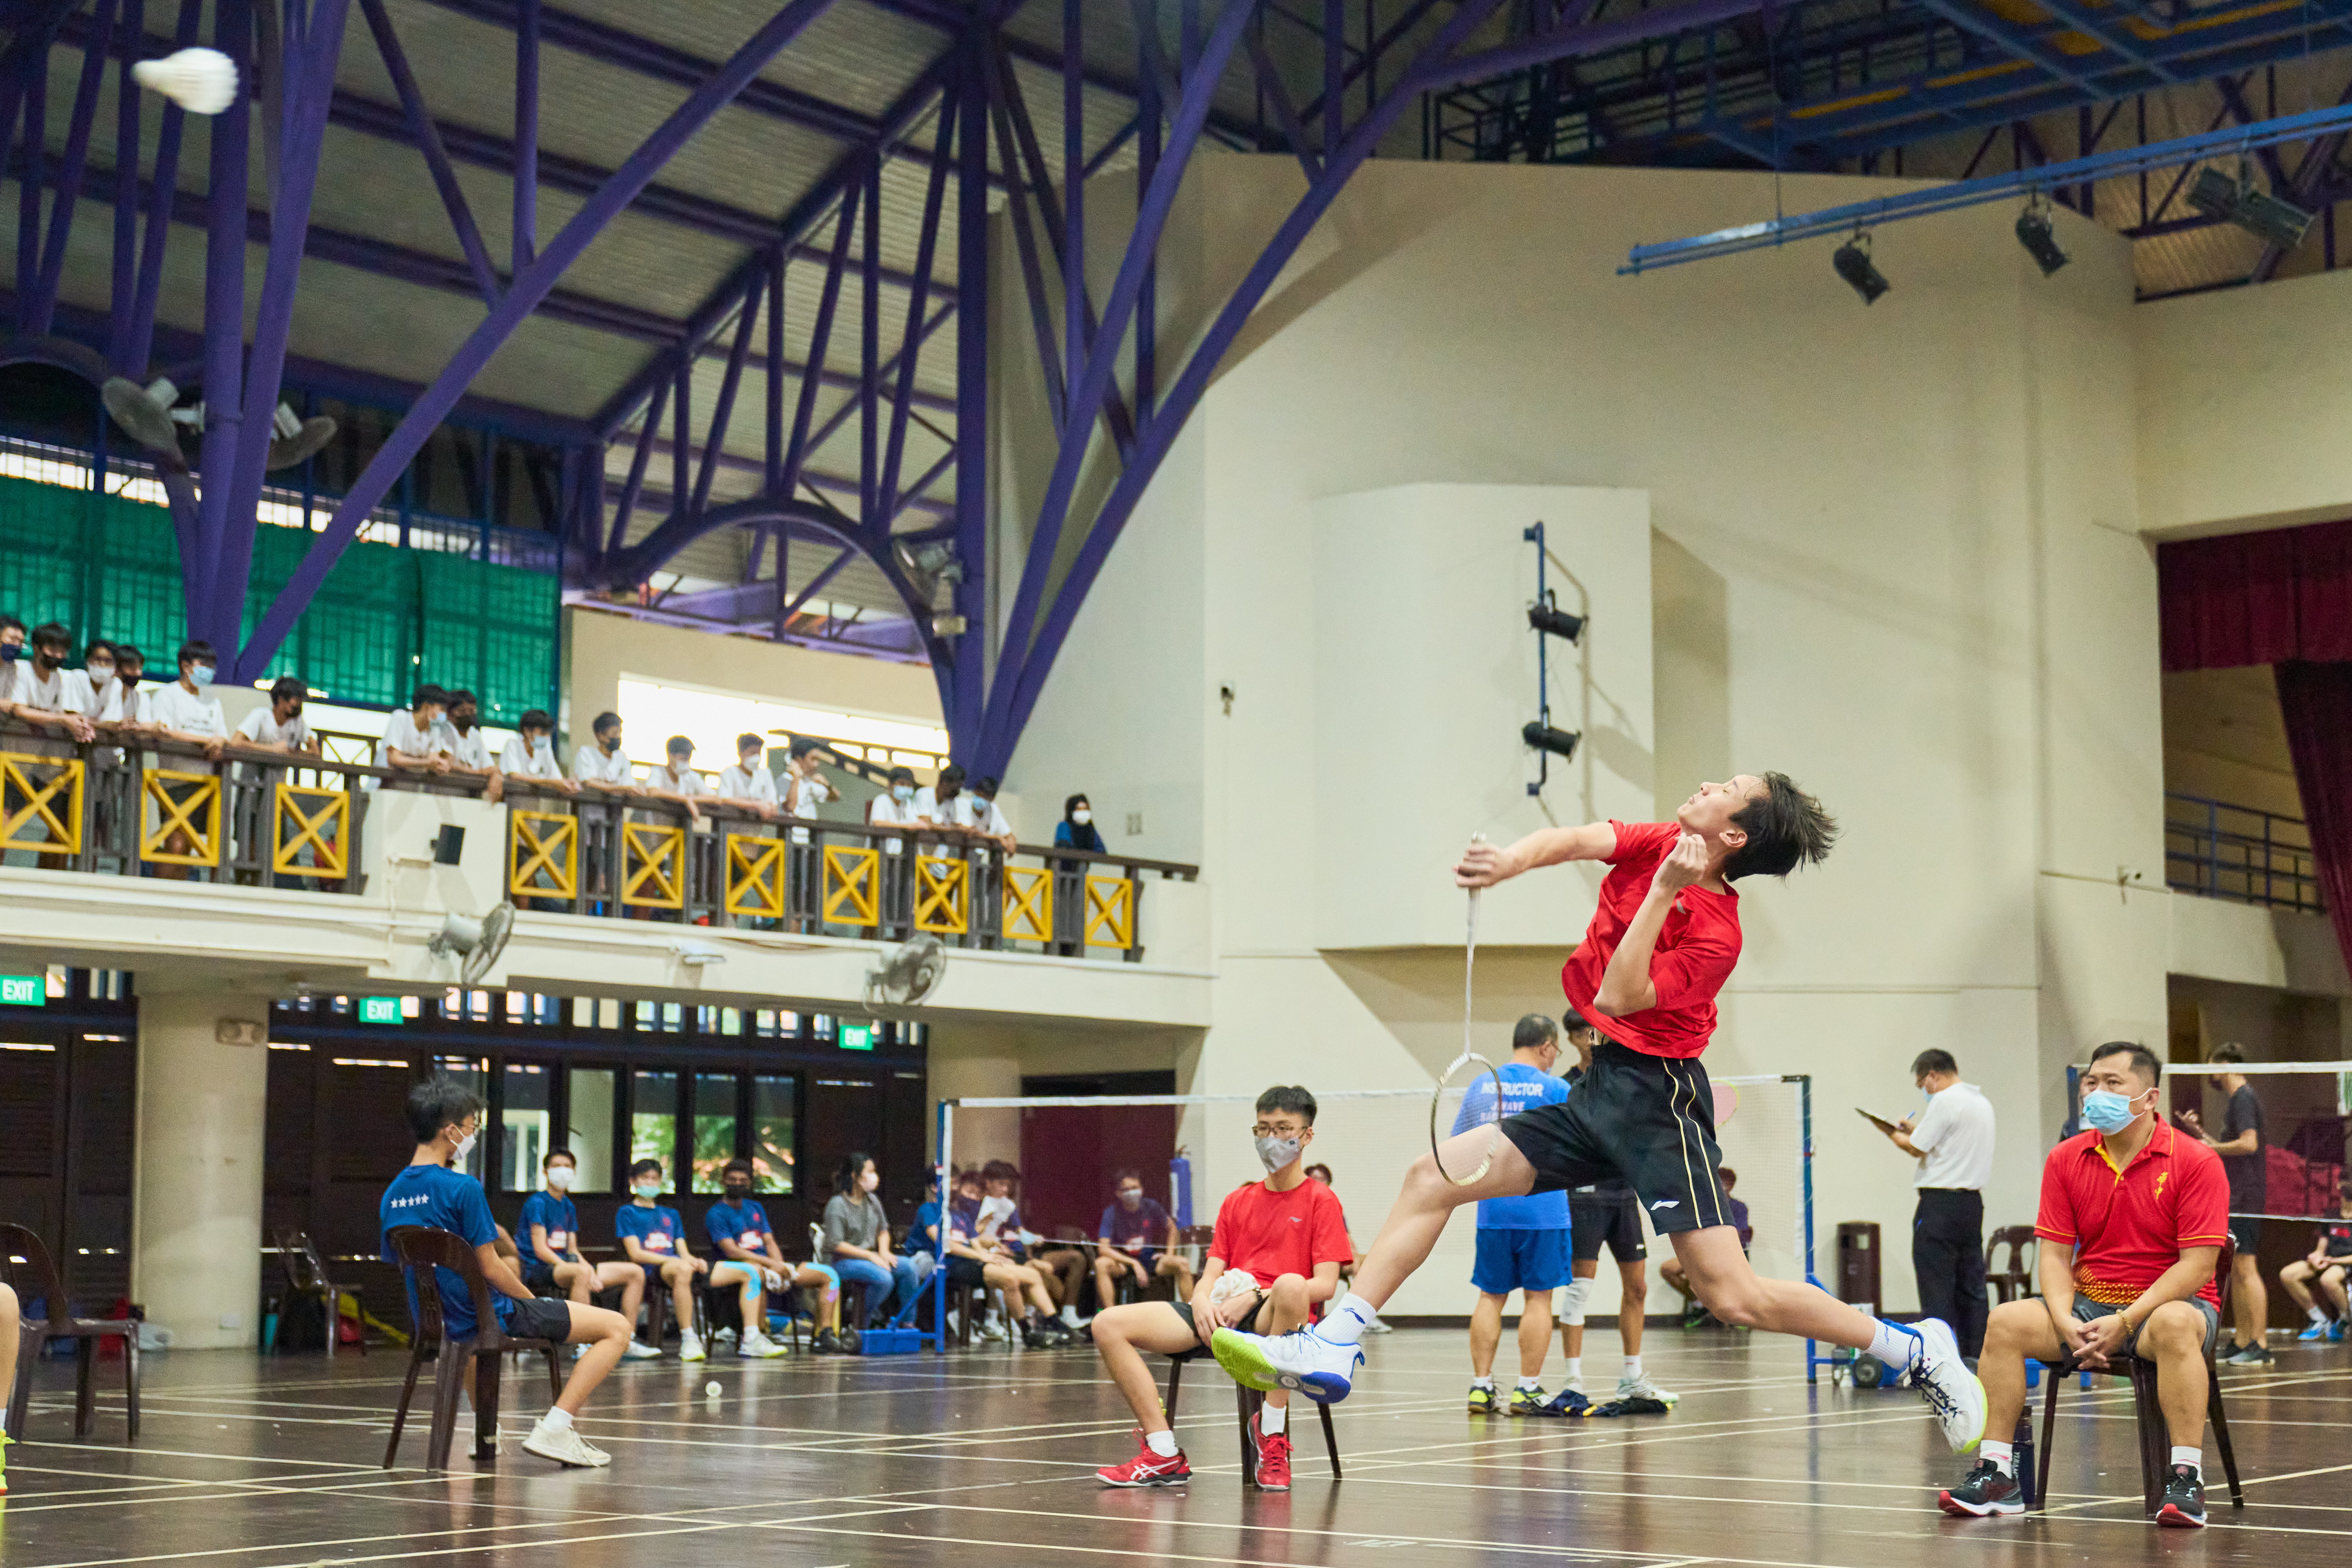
(565, 1446)
(1950, 1389)
(1300, 1359)
(579, 1351)
(640, 1351)
(723, 1337)
(1070, 1315)
(1641, 1387)
(757, 1347)
(689, 1346)
(1575, 1385)
(1372, 1325)
(991, 1329)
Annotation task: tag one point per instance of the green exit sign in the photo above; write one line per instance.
(24, 990)
(379, 1009)
(856, 1037)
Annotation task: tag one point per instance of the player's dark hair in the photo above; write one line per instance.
(536, 719)
(1786, 828)
(735, 1168)
(845, 1179)
(605, 721)
(53, 634)
(1573, 1022)
(1320, 1172)
(2143, 1060)
(563, 1154)
(286, 687)
(1933, 1059)
(644, 1166)
(195, 650)
(2228, 1054)
(746, 741)
(1290, 1097)
(1533, 1033)
(1727, 1176)
(1127, 1174)
(439, 1102)
(1000, 1170)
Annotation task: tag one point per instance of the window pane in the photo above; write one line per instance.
(527, 1123)
(772, 1133)
(591, 1133)
(653, 1123)
(714, 1128)
(474, 1072)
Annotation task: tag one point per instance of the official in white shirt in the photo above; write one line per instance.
(747, 782)
(1952, 1140)
(531, 753)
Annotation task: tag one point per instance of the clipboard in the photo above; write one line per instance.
(1878, 1121)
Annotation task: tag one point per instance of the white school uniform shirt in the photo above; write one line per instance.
(401, 729)
(28, 690)
(755, 783)
(174, 707)
(469, 749)
(674, 781)
(967, 810)
(885, 811)
(522, 760)
(87, 698)
(262, 728)
(1957, 1132)
(590, 764)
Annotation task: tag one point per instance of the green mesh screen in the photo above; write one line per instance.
(384, 619)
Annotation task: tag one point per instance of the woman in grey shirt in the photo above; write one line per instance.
(857, 1244)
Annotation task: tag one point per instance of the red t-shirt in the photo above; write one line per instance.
(1271, 1233)
(2128, 1226)
(1694, 953)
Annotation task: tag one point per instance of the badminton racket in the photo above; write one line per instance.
(1467, 1057)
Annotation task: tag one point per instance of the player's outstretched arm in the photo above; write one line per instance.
(1483, 864)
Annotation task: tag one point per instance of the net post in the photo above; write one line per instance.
(939, 1274)
(1804, 1081)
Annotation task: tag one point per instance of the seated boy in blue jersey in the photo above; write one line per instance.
(447, 1117)
(654, 1237)
(749, 1259)
(1138, 1238)
(1523, 1242)
(552, 1264)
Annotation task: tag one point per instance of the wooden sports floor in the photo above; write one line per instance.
(986, 1460)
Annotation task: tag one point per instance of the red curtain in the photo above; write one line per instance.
(2318, 701)
(2257, 598)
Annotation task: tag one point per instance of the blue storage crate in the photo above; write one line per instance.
(891, 1342)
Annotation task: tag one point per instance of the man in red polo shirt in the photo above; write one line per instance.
(1275, 1258)
(2133, 1216)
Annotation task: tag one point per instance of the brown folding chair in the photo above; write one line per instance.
(2013, 1279)
(1246, 1402)
(2148, 1415)
(26, 1264)
(421, 1249)
(306, 1274)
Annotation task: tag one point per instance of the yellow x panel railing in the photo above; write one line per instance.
(755, 876)
(543, 842)
(1028, 903)
(853, 885)
(653, 858)
(196, 812)
(319, 818)
(1110, 911)
(52, 805)
(942, 894)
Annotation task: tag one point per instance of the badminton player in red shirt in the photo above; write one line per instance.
(1662, 941)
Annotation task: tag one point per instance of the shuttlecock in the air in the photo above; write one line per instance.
(201, 81)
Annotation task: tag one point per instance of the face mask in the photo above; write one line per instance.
(465, 1147)
(1274, 1154)
(202, 675)
(1131, 1197)
(2107, 1110)
(902, 794)
(99, 674)
(1082, 817)
(46, 660)
(560, 1178)
(131, 678)
(869, 1181)
(737, 1192)
(649, 1189)
(12, 653)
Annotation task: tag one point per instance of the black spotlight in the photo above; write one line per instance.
(1555, 622)
(1544, 738)
(1853, 263)
(2034, 233)
(2264, 215)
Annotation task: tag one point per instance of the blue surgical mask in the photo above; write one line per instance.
(902, 794)
(202, 675)
(2107, 1110)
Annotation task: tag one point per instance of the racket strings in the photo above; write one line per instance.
(1469, 1055)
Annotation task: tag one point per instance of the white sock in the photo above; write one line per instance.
(1485, 1383)
(1343, 1324)
(1895, 1345)
(1632, 1366)
(2192, 1458)
(1575, 1367)
(556, 1419)
(2317, 1316)
(1530, 1383)
(2002, 1455)
(1273, 1419)
(1162, 1443)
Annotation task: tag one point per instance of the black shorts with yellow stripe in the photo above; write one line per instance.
(1643, 1119)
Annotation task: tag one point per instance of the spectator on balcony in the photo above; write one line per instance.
(983, 820)
(748, 783)
(415, 739)
(601, 768)
(531, 753)
(128, 705)
(186, 711)
(469, 747)
(1077, 828)
(941, 805)
(857, 1242)
(37, 694)
(805, 786)
(89, 690)
(280, 726)
(12, 654)
(676, 781)
(895, 807)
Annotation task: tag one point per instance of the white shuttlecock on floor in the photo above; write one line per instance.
(201, 81)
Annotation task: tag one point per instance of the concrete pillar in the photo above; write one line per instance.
(195, 1237)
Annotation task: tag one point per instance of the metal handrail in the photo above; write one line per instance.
(2217, 849)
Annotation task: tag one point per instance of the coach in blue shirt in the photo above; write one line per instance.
(1523, 1242)
(447, 1118)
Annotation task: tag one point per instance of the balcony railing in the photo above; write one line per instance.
(2239, 852)
(162, 808)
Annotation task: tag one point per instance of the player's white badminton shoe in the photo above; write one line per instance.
(1948, 1385)
(1302, 1360)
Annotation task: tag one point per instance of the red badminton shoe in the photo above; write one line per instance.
(1150, 1469)
(1271, 1451)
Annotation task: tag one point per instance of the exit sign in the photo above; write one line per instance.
(24, 990)
(856, 1037)
(379, 1009)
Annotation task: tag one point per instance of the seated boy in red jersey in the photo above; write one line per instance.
(2133, 1216)
(1275, 1258)
(1663, 939)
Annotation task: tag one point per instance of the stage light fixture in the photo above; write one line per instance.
(1544, 738)
(2034, 233)
(2267, 217)
(1862, 275)
(1555, 622)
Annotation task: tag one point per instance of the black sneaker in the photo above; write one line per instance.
(2184, 1500)
(1988, 1491)
(827, 1342)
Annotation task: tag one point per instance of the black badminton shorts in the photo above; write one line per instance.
(1646, 1121)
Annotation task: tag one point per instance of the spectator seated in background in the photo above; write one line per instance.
(531, 753)
(1061, 1264)
(469, 747)
(1138, 1238)
(549, 1248)
(1274, 1260)
(38, 691)
(654, 1238)
(2323, 1267)
(857, 1242)
(747, 1257)
(977, 1260)
(445, 1118)
(601, 768)
(1696, 1315)
(415, 739)
(748, 783)
(1077, 828)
